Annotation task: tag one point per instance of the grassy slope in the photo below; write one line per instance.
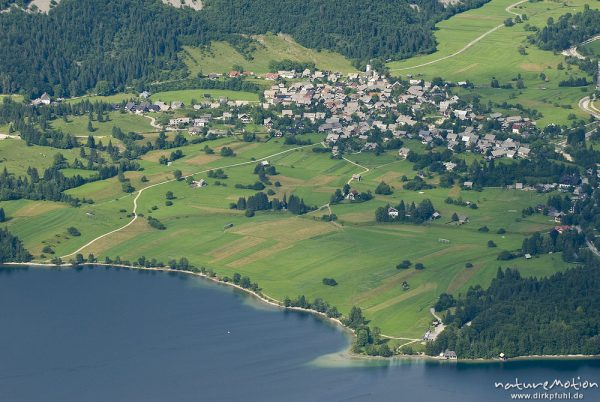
(497, 56)
(77, 126)
(221, 57)
(16, 156)
(289, 255)
(187, 95)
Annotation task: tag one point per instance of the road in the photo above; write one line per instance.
(468, 45)
(587, 105)
(365, 169)
(572, 51)
(139, 193)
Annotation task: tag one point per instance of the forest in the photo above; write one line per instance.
(520, 316)
(12, 249)
(83, 44)
(568, 30)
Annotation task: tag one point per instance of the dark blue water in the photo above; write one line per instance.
(123, 335)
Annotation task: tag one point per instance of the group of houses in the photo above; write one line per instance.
(362, 107)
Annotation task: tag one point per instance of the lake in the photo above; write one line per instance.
(98, 334)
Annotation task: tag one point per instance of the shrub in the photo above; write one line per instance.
(156, 224)
(73, 231)
(491, 243)
(404, 264)
(468, 265)
(484, 229)
(329, 282)
(383, 189)
(419, 266)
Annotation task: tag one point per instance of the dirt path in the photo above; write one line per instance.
(135, 200)
(468, 45)
(366, 169)
(439, 328)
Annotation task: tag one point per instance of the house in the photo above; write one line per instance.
(403, 152)
(145, 95)
(264, 163)
(176, 105)
(462, 219)
(42, 100)
(563, 228)
(199, 184)
(527, 256)
(436, 215)
(356, 177)
(352, 195)
(468, 184)
(271, 76)
(392, 212)
(244, 118)
(449, 355)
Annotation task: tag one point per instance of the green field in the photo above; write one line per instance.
(497, 55)
(592, 48)
(220, 57)
(16, 156)
(78, 125)
(186, 95)
(290, 255)
(116, 98)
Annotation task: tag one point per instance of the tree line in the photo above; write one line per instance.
(51, 52)
(519, 316)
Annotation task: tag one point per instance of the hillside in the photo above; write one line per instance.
(220, 56)
(469, 45)
(51, 52)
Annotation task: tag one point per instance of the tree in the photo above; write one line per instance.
(177, 174)
(329, 282)
(73, 231)
(454, 217)
(226, 151)
(355, 318)
(90, 128)
(79, 259)
(419, 266)
(383, 189)
(404, 264)
(2, 215)
(491, 243)
(169, 195)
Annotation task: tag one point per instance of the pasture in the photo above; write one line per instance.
(289, 255)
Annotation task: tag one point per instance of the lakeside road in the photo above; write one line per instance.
(468, 45)
(587, 105)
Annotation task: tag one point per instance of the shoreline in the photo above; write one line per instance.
(347, 354)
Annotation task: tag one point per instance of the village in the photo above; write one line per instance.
(358, 112)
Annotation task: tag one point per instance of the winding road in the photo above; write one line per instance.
(587, 105)
(468, 45)
(139, 193)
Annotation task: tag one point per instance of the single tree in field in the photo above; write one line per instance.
(177, 174)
